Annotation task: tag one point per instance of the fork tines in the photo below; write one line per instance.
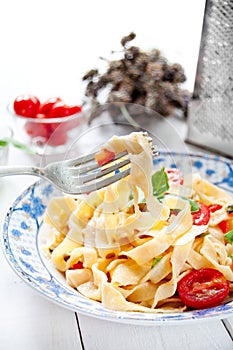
(86, 175)
(92, 171)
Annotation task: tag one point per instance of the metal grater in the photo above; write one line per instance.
(210, 117)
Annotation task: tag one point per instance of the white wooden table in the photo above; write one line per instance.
(29, 321)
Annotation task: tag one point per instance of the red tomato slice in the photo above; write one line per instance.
(202, 216)
(78, 265)
(174, 176)
(214, 207)
(46, 107)
(224, 226)
(104, 156)
(26, 105)
(203, 288)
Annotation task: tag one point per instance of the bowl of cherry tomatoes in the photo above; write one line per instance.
(51, 124)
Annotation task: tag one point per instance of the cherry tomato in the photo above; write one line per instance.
(26, 105)
(58, 138)
(75, 109)
(214, 207)
(46, 107)
(202, 216)
(60, 109)
(78, 265)
(37, 130)
(203, 288)
(174, 176)
(104, 156)
(224, 226)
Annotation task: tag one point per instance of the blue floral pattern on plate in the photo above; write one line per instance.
(20, 242)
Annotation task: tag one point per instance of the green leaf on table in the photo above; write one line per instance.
(3, 143)
(19, 145)
(160, 183)
(229, 236)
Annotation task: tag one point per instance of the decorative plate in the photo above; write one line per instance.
(22, 234)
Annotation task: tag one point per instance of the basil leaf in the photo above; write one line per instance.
(194, 206)
(156, 260)
(229, 236)
(3, 143)
(160, 186)
(160, 183)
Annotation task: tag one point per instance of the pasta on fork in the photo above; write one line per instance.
(146, 243)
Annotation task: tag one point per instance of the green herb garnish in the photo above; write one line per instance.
(16, 144)
(229, 236)
(160, 183)
(156, 260)
(160, 186)
(3, 143)
(194, 205)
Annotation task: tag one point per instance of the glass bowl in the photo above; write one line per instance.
(47, 135)
(5, 134)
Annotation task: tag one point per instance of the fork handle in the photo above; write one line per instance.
(19, 170)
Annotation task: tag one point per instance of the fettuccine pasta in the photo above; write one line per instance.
(127, 246)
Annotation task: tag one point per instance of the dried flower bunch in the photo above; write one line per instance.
(144, 78)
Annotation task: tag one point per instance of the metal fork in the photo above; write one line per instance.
(79, 175)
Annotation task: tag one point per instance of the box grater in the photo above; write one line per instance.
(210, 115)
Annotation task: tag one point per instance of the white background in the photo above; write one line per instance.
(46, 46)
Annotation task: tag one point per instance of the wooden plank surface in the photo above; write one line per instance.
(98, 334)
(29, 321)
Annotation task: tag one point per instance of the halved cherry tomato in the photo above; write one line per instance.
(46, 107)
(75, 109)
(224, 226)
(175, 177)
(60, 109)
(203, 288)
(214, 207)
(26, 105)
(202, 216)
(78, 265)
(104, 156)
